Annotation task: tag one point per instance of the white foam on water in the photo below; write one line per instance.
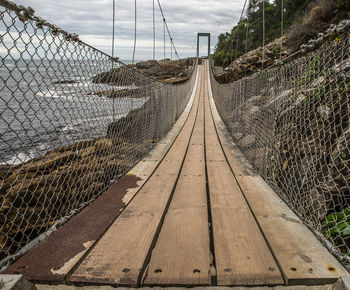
(55, 95)
(19, 158)
(67, 128)
(25, 156)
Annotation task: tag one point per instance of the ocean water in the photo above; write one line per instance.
(37, 115)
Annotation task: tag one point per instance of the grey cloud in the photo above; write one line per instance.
(91, 18)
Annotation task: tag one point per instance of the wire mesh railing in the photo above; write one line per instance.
(72, 120)
(292, 122)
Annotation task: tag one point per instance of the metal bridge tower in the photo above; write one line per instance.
(205, 35)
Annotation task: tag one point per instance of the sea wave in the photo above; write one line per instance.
(18, 159)
(54, 94)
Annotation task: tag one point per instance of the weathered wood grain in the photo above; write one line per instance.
(181, 254)
(302, 258)
(119, 257)
(241, 254)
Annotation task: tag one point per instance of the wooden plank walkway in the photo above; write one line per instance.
(203, 217)
(241, 253)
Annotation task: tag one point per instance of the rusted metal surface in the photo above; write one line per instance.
(52, 260)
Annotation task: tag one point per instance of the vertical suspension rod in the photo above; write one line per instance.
(154, 34)
(282, 11)
(164, 35)
(263, 56)
(113, 32)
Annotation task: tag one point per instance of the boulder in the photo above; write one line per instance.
(317, 204)
(103, 145)
(50, 161)
(247, 141)
(340, 158)
(324, 112)
(147, 64)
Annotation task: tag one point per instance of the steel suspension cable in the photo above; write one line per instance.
(238, 28)
(167, 28)
(135, 36)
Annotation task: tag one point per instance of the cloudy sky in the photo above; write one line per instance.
(92, 20)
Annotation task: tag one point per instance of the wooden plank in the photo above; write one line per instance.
(302, 258)
(242, 256)
(181, 254)
(76, 237)
(119, 257)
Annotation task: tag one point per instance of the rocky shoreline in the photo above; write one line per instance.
(35, 194)
(168, 71)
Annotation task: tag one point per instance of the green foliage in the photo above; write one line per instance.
(343, 4)
(311, 72)
(228, 49)
(301, 19)
(337, 226)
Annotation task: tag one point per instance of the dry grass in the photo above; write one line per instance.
(317, 18)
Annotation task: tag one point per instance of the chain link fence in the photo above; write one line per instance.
(292, 123)
(72, 120)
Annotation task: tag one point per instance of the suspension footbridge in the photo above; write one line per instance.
(195, 184)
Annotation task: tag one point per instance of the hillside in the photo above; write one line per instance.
(303, 19)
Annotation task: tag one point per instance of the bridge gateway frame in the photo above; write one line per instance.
(202, 34)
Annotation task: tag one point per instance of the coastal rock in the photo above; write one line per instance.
(177, 80)
(103, 145)
(340, 166)
(147, 64)
(87, 151)
(237, 136)
(64, 82)
(171, 71)
(252, 62)
(317, 204)
(5, 171)
(247, 141)
(50, 161)
(73, 147)
(324, 112)
(256, 100)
